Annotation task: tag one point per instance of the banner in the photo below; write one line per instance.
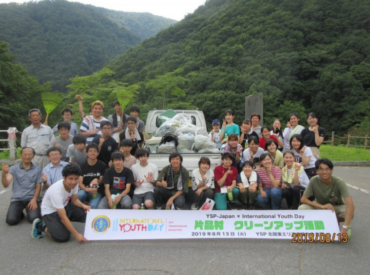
(297, 226)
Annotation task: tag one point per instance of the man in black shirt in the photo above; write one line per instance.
(91, 187)
(107, 144)
(117, 182)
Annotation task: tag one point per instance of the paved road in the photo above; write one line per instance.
(20, 254)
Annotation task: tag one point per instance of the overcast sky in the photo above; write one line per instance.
(174, 9)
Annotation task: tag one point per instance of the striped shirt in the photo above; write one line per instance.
(265, 178)
(90, 124)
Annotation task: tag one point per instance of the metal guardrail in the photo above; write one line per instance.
(11, 132)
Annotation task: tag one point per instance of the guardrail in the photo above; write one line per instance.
(11, 132)
(349, 141)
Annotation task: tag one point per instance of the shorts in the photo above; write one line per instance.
(140, 198)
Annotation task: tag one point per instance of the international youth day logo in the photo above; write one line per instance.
(100, 224)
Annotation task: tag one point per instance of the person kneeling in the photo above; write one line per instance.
(247, 183)
(117, 181)
(145, 174)
(60, 207)
(171, 184)
(202, 182)
(329, 192)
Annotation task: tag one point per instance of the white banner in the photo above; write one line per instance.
(298, 226)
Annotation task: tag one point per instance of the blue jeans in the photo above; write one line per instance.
(273, 199)
(86, 196)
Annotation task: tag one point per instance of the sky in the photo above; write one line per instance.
(174, 9)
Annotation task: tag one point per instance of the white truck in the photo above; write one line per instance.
(190, 160)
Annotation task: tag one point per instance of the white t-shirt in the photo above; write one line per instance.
(196, 178)
(256, 156)
(56, 197)
(139, 173)
(307, 153)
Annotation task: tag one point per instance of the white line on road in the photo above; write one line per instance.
(2, 192)
(358, 188)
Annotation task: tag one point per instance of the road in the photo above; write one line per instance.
(20, 254)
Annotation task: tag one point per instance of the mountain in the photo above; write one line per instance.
(57, 40)
(303, 55)
(144, 25)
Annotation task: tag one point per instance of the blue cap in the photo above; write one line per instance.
(216, 121)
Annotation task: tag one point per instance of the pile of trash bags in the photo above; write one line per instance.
(190, 138)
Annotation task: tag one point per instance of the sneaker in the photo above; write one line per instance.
(194, 207)
(36, 233)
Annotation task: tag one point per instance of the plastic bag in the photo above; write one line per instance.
(168, 127)
(186, 129)
(186, 141)
(167, 148)
(183, 118)
(202, 131)
(203, 142)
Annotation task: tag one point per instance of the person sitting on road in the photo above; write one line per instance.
(330, 192)
(145, 175)
(270, 192)
(26, 178)
(76, 151)
(247, 183)
(91, 181)
(225, 181)
(202, 183)
(172, 183)
(294, 180)
(60, 207)
(53, 171)
(117, 183)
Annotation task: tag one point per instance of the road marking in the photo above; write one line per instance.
(358, 188)
(2, 192)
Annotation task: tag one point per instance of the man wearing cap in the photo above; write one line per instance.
(38, 137)
(90, 127)
(215, 133)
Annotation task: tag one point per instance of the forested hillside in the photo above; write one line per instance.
(56, 40)
(144, 25)
(19, 91)
(310, 55)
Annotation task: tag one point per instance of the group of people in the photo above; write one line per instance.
(105, 167)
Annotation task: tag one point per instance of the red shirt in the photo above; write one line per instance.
(263, 141)
(220, 172)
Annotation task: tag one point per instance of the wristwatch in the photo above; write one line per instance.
(345, 227)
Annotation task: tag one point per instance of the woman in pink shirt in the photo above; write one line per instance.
(270, 193)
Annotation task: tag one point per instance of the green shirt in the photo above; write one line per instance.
(325, 194)
(176, 175)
